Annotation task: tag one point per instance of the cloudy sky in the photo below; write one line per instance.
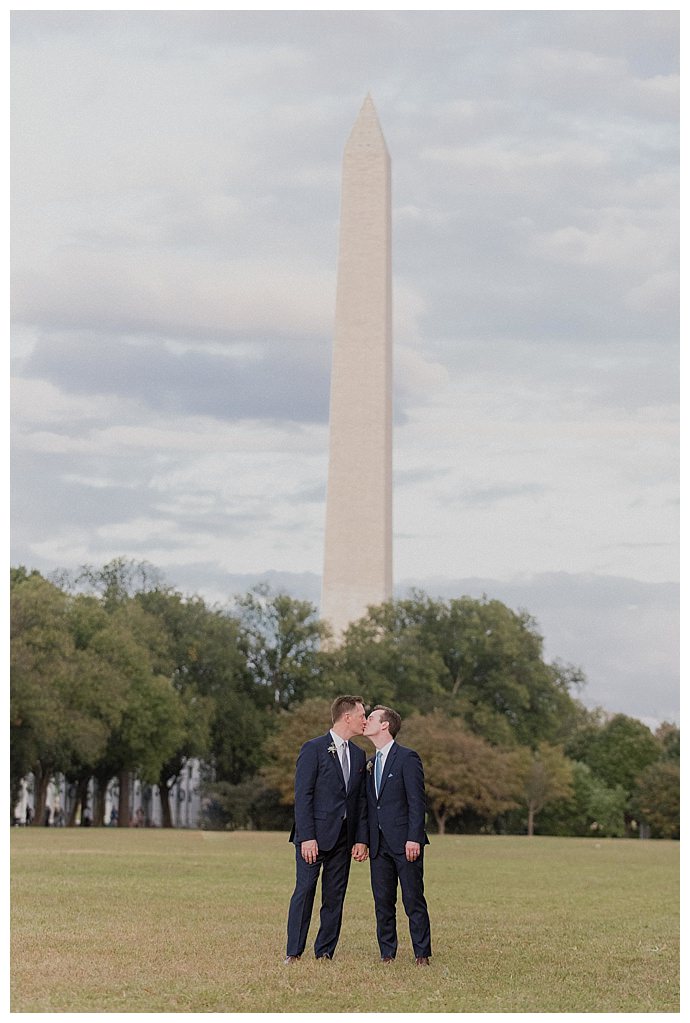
(175, 222)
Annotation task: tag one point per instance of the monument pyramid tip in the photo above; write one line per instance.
(367, 122)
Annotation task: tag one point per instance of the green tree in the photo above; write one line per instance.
(462, 771)
(657, 799)
(547, 777)
(151, 726)
(281, 638)
(60, 690)
(141, 644)
(474, 659)
(593, 809)
(204, 663)
(497, 676)
(242, 714)
(251, 804)
(39, 653)
(102, 685)
(239, 728)
(617, 749)
(281, 748)
(389, 656)
(115, 582)
(669, 736)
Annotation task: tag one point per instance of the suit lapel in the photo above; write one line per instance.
(387, 767)
(337, 766)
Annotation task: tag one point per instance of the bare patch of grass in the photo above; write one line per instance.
(109, 920)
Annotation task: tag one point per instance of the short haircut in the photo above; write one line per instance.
(392, 717)
(344, 705)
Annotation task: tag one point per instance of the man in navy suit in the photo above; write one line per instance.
(396, 810)
(330, 826)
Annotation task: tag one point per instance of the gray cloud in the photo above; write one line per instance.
(490, 495)
(288, 380)
(37, 509)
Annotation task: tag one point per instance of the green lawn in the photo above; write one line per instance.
(108, 920)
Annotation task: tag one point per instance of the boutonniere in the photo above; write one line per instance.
(333, 749)
(370, 764)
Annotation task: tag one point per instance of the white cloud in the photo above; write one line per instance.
(630, 242)
(173, 293)
(505, 158)
(656, 292)
(38, 402)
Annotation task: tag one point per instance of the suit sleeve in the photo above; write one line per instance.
(362, 834)
(413, 780)
(305, 782)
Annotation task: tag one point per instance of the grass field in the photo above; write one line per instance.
(108, 920)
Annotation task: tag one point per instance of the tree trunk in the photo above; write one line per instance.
(166, 811)
(41, 782)
(123, 800)
(99, 802)
(72, 817)
(441, 822)
(530, 821)
(79, 801)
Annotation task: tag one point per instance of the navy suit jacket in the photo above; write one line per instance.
(321, 801)
(400, 809)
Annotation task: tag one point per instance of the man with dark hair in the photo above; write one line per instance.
(396, 810)
(330, 827)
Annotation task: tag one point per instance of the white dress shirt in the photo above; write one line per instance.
(340, 742)
(384, 751)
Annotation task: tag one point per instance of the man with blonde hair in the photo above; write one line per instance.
(330, 827)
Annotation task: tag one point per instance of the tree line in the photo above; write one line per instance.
(115, 673)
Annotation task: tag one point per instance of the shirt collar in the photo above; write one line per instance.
(340, 742)
(385, 750)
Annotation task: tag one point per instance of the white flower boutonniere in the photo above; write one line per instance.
(332, 749)
(370, 765)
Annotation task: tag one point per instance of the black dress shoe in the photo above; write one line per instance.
(387, 959)
(291, 959)
(324, 956)
(422, 961)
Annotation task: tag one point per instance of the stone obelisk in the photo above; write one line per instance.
(358, 544)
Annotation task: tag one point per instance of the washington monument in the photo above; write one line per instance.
(358, 544)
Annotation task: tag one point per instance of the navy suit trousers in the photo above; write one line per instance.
(334, 866)
(387, 868)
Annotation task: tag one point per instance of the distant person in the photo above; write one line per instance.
(46, 817)
(396, 813)
(330, 827)
(29, 815)
(113, 818)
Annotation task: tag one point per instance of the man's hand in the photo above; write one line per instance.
(310, 851)
(360, 852)
(412, 851)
